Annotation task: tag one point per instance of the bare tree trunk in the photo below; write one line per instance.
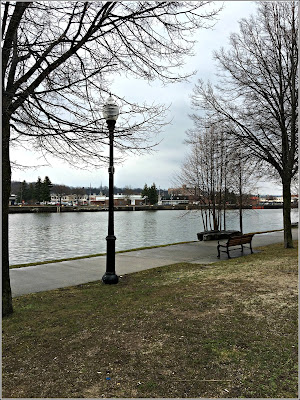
(225, 198)
(7, 307)
(204, 222)
(241, 197)
(206, 219)
(288, 240)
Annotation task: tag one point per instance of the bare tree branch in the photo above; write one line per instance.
(257, 98)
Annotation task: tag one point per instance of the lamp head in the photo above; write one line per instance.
(110, 110)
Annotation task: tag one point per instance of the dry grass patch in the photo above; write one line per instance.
(183, 330)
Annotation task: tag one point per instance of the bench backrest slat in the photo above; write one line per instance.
(236, 240)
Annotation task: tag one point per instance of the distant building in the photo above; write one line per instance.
(181, 191)
(94, 199)
(276, 200)
(271, 200)
(183, 195)
(254, 200)
(173, 200)
(119, 200)
(70, 199)
(294, 199)
(12, 200)
(174, 197)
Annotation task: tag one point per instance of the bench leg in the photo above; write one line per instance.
(228, 253)
(218, 251)
(251, 248)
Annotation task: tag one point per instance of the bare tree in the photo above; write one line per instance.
(214, 166)
(244, 172)
(258, 98)
(57, 60)
(203, 172)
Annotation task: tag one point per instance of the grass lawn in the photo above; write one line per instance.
(185, 330)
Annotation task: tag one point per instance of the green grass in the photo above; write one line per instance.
(184, 330)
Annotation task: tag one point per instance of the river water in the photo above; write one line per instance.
(51, 236)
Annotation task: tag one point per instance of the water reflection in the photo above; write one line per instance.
(38, 237)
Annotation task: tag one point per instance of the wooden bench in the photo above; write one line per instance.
(239, 240)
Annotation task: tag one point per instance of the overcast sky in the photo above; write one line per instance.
(161, 166)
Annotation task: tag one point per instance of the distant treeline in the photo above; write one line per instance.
(41, 190)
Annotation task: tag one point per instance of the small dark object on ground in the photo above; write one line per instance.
(216, 234)
(240, 240)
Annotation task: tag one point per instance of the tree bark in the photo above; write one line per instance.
(288, 239)
(7, 307)
(240, 195)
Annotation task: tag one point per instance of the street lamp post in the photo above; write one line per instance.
(110, 113)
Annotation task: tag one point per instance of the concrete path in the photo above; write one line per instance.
(39, 278)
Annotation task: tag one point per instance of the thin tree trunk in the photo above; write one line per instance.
(203, 221)
(225, 198)
(241, 198)
(288, 240)
(220, 209)
(7, 307)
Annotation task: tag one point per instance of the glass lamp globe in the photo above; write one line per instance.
(110, 110)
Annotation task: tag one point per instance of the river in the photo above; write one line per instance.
(51, 236)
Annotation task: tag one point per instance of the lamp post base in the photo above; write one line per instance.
(110, 278)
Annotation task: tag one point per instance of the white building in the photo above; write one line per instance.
(93, 199)
(120, 199)
(70, 199)
(12, 199)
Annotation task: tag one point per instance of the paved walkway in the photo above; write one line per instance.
(39, 278)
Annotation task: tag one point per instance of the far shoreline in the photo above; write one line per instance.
(188, 207)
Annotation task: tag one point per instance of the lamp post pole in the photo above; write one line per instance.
(110, 112)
